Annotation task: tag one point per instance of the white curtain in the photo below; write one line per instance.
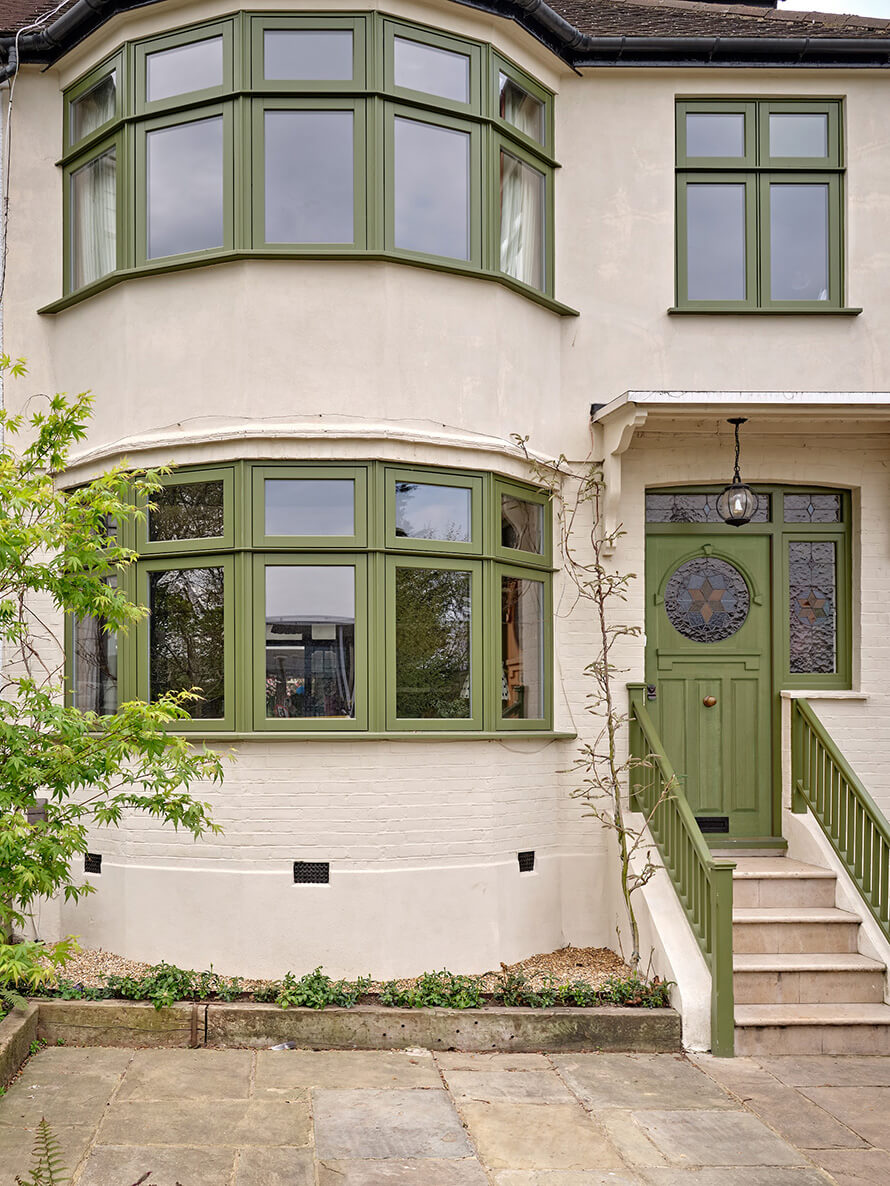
(521, 109)
(94, 218)
(94, 108)
(522, 221)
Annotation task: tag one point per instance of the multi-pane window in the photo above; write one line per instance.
(353, 598)
(340, 134)
(759, 204)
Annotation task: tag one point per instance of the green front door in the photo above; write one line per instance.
(708, 665)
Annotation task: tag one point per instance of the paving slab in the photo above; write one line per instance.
(80, 1060)
(402, 1173)
(387, 1123)
(716, 1139)
(629, 1139)
(455, 1061)
(16, 1145)
(63, 1100)
(273, 1167)
(640, 1080)
(187, 1074)
(866, 1110)
(543, 1087)
(281, 1071)
(222, 1123)
(529, 1137)
(854, 1167)
(121, 1165)
(566, 1178)
(738, 1176)
(821, 1070)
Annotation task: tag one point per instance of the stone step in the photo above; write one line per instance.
(778, 881)
(761, 930)
(807, 978)
(812, 1029)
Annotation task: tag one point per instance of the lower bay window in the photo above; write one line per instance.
(359, 598)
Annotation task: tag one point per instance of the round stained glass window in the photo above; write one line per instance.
(707, 599)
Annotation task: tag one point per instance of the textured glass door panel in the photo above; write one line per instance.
(715, 134)
(689, 507)
(310, 506)
(522, 524)
(187, 637)
(522, 649)
(519, 108)
(803, 134)
(799, 242)
(432, 189)
(187, 68)
(812, 580)
(432, 644)
(715, 242)
(187, 510)
(707, 600)
(185, 188)
(94, 219)
(424, 511)
(310, 641)
(434, 71)
(94, 108)
(308, 55)
(309, 177)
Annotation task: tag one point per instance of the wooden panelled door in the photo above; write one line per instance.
(708, 663)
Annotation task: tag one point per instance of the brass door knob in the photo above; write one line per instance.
(709, 701)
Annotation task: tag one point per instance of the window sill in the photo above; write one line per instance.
(504, 735)
(831, 312)
(823, 694)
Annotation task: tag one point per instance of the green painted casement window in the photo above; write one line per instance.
(363, 598)
(759, 205)
(306, 136)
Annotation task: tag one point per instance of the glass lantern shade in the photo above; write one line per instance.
(737, 504)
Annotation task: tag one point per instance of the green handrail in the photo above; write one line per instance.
(824, 781)
(703, 883)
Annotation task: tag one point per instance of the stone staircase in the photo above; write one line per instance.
(801, 984)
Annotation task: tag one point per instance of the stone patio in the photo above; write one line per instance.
(411, 1118)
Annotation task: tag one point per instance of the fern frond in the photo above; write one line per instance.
(48, 1168)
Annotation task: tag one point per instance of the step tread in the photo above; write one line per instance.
(779, 868)
(829, 961)
(833, 1014)
(792, 914)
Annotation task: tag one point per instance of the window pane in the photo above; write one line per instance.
(310, 506)
(187, 510)
(812, 508)
(187, 637)
(522, 110)
(804, 134)
(432, 189)
(433, 512)
(94, 219)
(420, 67)
(695, 508)
(811, 587)
(94, 107)
(310, 641)
(522, 221)
(185, 187)
(311, 55)
(522, 649)
(712, 133)
(180, 71)
(715, 242)
(799, 242)
(309, 177)
(432, 644)
(522, 524)
(94, 665)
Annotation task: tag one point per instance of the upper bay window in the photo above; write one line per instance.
(309, 135)
(759, 205)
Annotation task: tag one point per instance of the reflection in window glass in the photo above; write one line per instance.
(813, 626)
(94, 665)
(185, 187)
(309, 177)
(713, 133)
(799, 242)
(310, 506)
(187, 510)
(187, 68)
(812, 508)
(310, 641)
(94, 108)
(522, 649)
(424, 511)
(187, 637)
(715, 242)
(94, 219)
(432, 189)
(432, 644)
(522, 221)
(798, 134)
(522, 524)
(519, 108)
(307, 55)
(419, 67)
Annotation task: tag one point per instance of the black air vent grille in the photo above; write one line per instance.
(92, 862)
(526, 861)
(713, 824)
(312, 872)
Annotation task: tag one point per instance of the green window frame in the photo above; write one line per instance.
(259, 25)
(517, 148)
(179, 40)
(97, 148)
(471, 547)
(358, 475)
(497, 660)
(433, 40)
(541, 498)
(113, 65)
(758, 171)
(149, 547)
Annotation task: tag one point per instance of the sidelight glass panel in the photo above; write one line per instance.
(94, 219)
(309, 180)
(187, 510)
(307, 55)
(432, 189)
(715, 134)
(812, 581)
(310, 641)
(94, 665)
(185, 187)
(425, 511)
(522, 649)
(519, 108)
(522, 221)
(94, 108)
(798, 134)
(522, 524)
(715, 242)
(310, 506)
(187, 637)
(433, 664)
(798, 242)
(185, 69)
(419, 67)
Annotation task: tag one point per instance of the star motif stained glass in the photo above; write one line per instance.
(707, 599)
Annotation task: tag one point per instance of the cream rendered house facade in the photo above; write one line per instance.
(327, 261)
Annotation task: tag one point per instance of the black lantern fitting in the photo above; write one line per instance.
(737, 504)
